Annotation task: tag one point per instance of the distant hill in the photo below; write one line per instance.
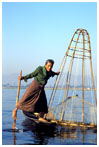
(12, 80)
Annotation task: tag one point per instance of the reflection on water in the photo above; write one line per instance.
(34, 134)
(68, 132)
(41, 134)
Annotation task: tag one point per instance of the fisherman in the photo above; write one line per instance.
(34, 99)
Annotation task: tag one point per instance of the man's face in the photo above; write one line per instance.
(49, 66)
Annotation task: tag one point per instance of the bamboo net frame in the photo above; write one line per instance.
(82, 53)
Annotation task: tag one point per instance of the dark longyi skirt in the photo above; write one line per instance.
(34, 99)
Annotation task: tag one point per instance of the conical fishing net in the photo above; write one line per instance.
(73, 97)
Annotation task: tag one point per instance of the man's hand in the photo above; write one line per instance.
(20, 78)
(58, 73)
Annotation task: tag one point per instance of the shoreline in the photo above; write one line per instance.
(50, 88)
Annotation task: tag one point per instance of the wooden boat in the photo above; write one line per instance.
(35, 118)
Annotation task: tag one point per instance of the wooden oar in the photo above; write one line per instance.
(17, 99)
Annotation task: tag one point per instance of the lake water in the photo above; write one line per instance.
(28, 133)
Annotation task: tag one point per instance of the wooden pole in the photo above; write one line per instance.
(83, 76)
(92, 76)
(17, 99)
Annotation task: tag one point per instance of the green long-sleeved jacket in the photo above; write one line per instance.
(40, 75)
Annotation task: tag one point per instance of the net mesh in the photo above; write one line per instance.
(73, 97)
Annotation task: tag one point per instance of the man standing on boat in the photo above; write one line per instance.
(34, 99)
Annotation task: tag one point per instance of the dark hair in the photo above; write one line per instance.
(49, 60)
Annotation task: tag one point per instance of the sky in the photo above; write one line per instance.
(35, 31)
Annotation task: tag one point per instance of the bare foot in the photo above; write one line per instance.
(14, 114)
(42, 119)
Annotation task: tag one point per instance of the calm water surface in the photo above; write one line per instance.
(29, 133)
